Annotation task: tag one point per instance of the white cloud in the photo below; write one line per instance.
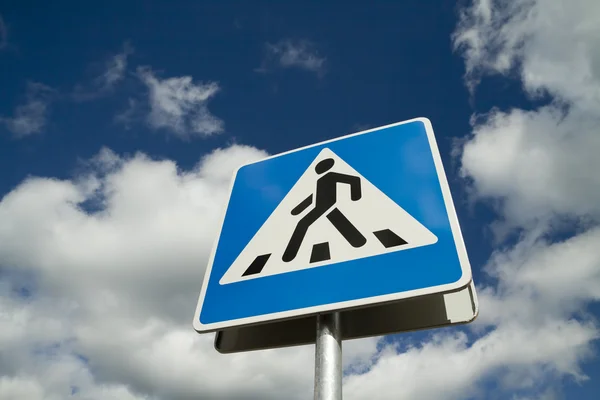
(113, 72)
(130, 267)
(115, 68)
(553, 45)
(538, 163)
(39, 360)
(533, 283)
(525, 331)
(127, 116)
(537, 168)
(449, 367)
(31, 116)
(295, 53)
(130, 270)
(127, 193)
(116, 254)
(20, 388)
(180, 106)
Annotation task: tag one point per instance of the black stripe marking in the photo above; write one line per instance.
(345, 227)
(257, 265)
(320, 252)
(389, 238)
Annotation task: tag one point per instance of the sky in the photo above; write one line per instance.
(121, 124)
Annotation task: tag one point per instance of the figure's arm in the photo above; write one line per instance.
(355, 188)
(354, 182)
(302, 206)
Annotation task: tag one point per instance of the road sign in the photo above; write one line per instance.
(357, 221)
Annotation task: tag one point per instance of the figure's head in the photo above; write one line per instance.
(324, 165)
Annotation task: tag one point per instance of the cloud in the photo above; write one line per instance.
(539, 163)
(30, 117)
(3, 34)
(113, 72)
(449, 367)
(525, 338)
(551, 46)
(36, 366)
(179, 106)
(118, 251)
(536, 168)
(129, 115)
(294, 54)
(115, 68)
(82, 303)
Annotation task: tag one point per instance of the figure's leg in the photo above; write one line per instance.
(345, 227)
(298, 236)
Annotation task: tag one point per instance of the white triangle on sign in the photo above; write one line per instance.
(380, 225)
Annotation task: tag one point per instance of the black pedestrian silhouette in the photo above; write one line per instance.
(325, 197)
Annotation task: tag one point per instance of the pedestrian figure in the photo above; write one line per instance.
(325, 197)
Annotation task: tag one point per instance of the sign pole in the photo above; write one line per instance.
(328, 357)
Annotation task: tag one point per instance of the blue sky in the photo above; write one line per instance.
(276, 110)
(120, 125)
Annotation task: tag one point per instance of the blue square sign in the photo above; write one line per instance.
(362, 219)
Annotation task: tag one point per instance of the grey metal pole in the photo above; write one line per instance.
(328, 358)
